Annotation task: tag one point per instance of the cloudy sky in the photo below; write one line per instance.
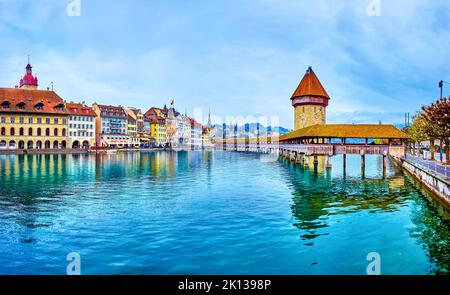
(238, 58)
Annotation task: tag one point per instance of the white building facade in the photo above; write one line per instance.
(81, 124)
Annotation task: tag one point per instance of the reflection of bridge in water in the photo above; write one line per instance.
(328, 141)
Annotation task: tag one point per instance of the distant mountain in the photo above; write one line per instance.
(250, 129)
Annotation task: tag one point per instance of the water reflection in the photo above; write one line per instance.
(319, 195)
(167, 207)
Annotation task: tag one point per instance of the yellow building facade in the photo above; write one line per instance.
(158, 132)
(32, 119)
(32, 131)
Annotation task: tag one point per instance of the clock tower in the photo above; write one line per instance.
(310, 101)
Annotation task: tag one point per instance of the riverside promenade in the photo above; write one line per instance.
(431, 174)
(433, 166)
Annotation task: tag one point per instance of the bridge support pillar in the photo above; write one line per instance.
(344, 161)
(328, 164)
(305, 161)
(363, 165)
(293, 156)
(316, 160)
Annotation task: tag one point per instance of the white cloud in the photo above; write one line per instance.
(234, 61)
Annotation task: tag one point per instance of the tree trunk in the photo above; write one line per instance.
(447, 152)
(432, 149)
(418, 149)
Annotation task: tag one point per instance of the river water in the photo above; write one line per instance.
(214, 213)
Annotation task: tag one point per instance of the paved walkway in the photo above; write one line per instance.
(430, 165)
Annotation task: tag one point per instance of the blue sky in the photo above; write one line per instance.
(238, 58)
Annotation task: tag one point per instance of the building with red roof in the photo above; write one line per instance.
(32, 118)
(81, 125)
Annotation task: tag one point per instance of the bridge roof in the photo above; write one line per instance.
(377, 131)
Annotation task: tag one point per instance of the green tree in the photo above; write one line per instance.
(417, 130)
(438, 114)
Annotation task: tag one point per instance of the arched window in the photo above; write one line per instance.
(64, 132)
(30, 131)
(21, 132)
(56, 132)
(5, 105)
(47, 132)
(39, 132)
(3, 132)
(21, 106)
(13, 131)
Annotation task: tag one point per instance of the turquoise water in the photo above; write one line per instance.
(213, 213)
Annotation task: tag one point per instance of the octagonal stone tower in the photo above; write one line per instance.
(310, 101)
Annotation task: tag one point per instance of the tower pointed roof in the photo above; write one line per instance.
(310, 86)
(28, 80)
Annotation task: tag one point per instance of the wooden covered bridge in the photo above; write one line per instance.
(326, 140)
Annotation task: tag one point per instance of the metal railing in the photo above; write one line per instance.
(430, 165)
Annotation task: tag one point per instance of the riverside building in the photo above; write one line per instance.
(81, 125)
(32, 118)
(111, 126)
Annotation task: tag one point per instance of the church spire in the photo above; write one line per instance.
(209, 119)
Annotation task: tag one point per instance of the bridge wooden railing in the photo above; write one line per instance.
(318, 149)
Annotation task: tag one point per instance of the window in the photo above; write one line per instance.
(21, 120)
(3, 131)
(39, 120)
(39, 132)
(13, 120)
(30, 120)
(55, 132)
(47, 120)
(21, 106)
(64, 121)
(64, 132)
(5, 105)
(3, 119)
(56, 121)
(30, 131)
(21, 131)
(39, 106)
(47, 132)
(13, 131)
